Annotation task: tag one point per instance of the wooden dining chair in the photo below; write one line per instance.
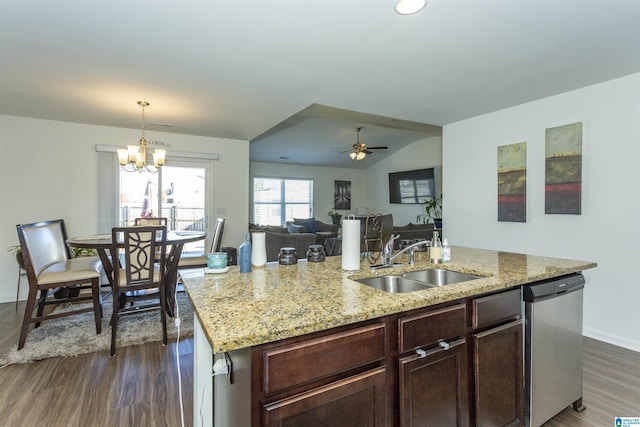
(141, 276)
(50, 269)
(196, 260)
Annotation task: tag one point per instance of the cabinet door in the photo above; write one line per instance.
(359, 401)
(499, 392)
(434, 388)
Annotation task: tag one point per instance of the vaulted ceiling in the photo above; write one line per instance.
(296, 77)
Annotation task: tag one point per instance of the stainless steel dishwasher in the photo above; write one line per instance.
(553, 347)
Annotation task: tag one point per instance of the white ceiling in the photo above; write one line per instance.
(238, 69)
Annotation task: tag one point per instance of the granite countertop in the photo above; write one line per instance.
(238, 310)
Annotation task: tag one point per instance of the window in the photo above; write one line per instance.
(177, 192)
(278, 200)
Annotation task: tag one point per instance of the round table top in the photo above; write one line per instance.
(103, 241)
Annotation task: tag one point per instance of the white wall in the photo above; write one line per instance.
(421, 154)
(607, 231)
(49, 170)
(323, 178)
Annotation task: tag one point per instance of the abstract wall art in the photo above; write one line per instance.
(563, 169)
(512, 182)
(341, 195)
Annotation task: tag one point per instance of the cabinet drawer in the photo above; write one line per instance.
(496, 308)
(307, 361)
(428, 328)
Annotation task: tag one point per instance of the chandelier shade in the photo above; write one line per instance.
(134, 157)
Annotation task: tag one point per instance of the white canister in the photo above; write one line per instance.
(258, 249)
(351, 244)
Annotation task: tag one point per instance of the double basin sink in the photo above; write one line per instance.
(417, 280)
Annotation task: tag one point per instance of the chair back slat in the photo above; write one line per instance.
(43, 243)
(143, 246)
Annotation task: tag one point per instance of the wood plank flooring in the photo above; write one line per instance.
(139, 387)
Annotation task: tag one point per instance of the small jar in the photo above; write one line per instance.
(315, 253)
(287, 256)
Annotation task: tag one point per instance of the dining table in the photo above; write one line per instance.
(176, 239)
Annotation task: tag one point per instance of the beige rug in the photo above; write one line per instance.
(73, 335)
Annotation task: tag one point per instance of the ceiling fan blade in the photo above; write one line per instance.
(377, 148)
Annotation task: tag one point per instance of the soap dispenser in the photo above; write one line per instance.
(446, 251)
(435, 252)
(244, 257)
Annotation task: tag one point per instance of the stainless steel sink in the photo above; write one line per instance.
(394, 284)
(417, 280)
(439, 277)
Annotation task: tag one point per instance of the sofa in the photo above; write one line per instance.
(293, 236)
(415, 231)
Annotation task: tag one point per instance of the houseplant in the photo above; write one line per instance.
(335, 217)
(431, 211)
(16, 251)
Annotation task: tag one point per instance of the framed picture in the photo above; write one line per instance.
(512, 182)
(563, 169)
(341, 195)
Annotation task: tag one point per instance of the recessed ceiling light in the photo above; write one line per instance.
(408, 7)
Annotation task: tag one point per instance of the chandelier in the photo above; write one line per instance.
(134, 157)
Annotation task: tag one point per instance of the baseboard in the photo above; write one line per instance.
(612, 339)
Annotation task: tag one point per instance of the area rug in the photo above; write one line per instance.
(73, 335)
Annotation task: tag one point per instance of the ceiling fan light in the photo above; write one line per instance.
(353, 155)
(408, 7)
(361, 155)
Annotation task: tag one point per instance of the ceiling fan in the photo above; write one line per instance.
(360, 150)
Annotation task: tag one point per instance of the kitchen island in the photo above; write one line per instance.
(239, 314)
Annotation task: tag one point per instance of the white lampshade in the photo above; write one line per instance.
(123, 156)
(158, 157)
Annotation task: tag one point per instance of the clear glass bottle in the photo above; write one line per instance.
(287, 256)
(435, 252)
(446, 251)
(315, 253)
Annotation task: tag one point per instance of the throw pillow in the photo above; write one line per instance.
(299, 221)
(294, 228)
(311, 225)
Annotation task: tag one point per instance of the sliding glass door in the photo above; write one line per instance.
(177, 192)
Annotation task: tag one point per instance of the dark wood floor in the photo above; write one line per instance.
(139, 386)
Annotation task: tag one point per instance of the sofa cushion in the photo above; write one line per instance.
(310, 225)
(295, 228)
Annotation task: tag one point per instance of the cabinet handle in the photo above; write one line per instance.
(498, 329)
(422, 353)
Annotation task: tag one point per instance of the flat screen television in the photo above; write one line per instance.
(411, 186)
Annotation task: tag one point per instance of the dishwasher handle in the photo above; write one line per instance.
(540, 291)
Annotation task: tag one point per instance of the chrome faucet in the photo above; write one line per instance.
(387, 257)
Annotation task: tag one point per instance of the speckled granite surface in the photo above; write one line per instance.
(240, 310)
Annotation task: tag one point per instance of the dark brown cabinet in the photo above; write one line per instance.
(497, 360)
(454, 365)
(359, 400)
(432, 368)
(433, 387)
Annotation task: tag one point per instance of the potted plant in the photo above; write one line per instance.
(432, 211)
(16, 251)
(335, 217)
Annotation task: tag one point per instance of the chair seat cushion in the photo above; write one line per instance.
(123, 276)
(70, 270)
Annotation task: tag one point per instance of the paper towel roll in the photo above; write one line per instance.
(351, 244)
